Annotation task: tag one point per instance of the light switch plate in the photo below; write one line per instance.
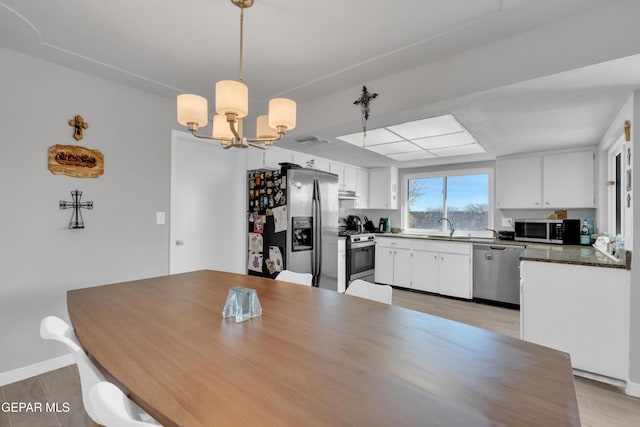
(160, 218)
(507, 222)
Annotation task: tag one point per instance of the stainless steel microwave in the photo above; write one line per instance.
(558, 231)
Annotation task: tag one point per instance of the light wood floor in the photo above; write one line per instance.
(600, 405)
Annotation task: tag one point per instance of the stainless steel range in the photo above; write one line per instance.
(361, 255)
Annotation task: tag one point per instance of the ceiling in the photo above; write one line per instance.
(519, 75)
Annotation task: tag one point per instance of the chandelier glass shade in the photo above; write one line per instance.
(232, 105)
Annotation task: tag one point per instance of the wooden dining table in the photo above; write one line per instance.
(314, 357)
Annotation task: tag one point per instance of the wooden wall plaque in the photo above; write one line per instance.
(77, 161)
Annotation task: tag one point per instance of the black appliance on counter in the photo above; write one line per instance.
(354, 223)
(558, 231)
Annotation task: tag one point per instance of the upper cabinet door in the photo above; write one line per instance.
(350, 178)
(569, 180)
(519, 183)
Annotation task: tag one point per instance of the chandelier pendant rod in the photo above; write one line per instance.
(241, 38)
(232, 119)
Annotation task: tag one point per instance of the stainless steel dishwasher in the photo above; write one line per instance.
(496, 272)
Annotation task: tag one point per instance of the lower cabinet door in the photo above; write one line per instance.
(424, 271)
(402, 267)
(384, 265)
(454, 272)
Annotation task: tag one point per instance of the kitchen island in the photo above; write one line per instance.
(576, 299)
(314, 357)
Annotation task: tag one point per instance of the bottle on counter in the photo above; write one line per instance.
(585, 236)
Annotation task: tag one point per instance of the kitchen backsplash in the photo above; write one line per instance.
(395, 215)
(374, 215)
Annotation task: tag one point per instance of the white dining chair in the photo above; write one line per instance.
(54, 328)
(372, 291)
(115, 409)
(293, 277)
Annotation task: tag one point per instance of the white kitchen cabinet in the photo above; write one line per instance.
(519, 182)
(322, 164)
(393, 262)
(383, 188)
(342, 264)
(426, 265)
(362, 188)
(548, 180)
(581, 310)
(362, 191)
(569, 180)
(454, 275)
(347, 176)
(307, 160)
(442, 267)
(338, 169)
(424, 271)
(268, 159)
(350, 178)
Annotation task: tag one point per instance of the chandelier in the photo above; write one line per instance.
(232, 105)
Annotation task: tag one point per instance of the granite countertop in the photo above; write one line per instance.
(574, 254)
(562, 254)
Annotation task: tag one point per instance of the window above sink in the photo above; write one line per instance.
(434, 203)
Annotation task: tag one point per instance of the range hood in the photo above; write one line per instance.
(347, 195)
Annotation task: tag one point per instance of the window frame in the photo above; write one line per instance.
(448, 173)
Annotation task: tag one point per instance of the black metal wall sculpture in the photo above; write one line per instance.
(363, 102)
(76, 205)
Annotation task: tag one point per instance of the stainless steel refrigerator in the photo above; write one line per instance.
(307, 199)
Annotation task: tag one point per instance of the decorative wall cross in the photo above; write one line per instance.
(76, 205)
(363, 102)
(79, 124)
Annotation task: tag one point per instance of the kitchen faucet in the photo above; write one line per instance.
(450, 225)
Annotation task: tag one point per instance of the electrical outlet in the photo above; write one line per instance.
(160, 218)
(507, 222)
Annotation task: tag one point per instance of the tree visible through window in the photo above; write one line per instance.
(463, 199)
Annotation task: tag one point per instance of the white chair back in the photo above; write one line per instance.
(372, 291)
(114, 408)
(293, 277)
(54, 328)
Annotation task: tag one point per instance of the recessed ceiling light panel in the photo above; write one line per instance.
(374, 137)
(440, 136)
(442, 141)
(433, 126)
(394, 148)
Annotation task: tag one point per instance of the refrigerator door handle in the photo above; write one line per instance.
(314, 217)
(319, 231)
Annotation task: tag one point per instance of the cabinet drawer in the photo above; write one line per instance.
(393, 242)
(445, 247)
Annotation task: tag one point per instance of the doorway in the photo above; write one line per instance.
(616, 183)
(207, 217)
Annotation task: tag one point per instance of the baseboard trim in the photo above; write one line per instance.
(35, 369)
(632, 389)
(601, 378)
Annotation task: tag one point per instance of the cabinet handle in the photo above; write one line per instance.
(537, 204)
(547, 203)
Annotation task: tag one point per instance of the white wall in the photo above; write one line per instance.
(40, 258)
